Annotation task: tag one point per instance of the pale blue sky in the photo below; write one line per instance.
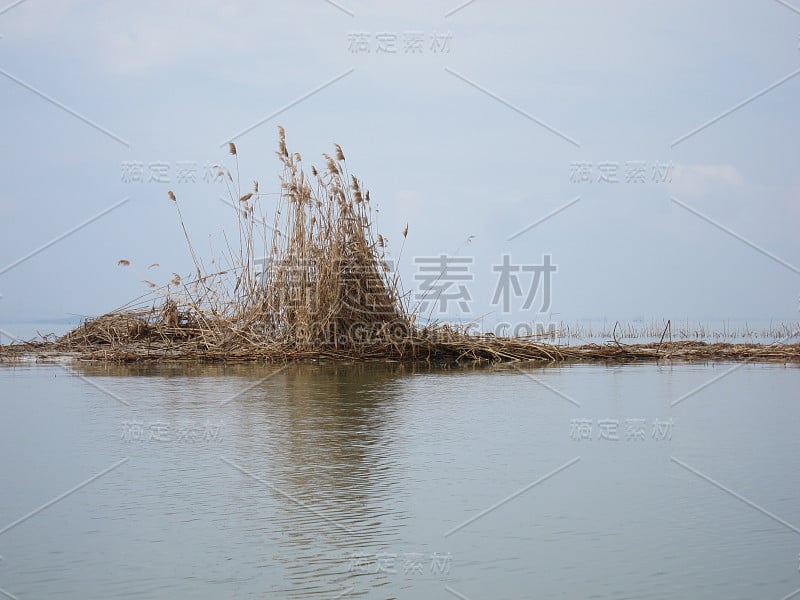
(455, 143)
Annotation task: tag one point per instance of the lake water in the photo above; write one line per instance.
(385, 481)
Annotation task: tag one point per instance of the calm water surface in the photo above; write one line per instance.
(384, 481)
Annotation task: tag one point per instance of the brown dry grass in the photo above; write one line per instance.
(325, 291)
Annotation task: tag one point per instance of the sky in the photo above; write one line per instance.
(646, 150)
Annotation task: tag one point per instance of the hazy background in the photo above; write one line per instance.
(168, 82)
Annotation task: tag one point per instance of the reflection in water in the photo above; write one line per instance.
(320, 464)
(319, 441)
(328, 449)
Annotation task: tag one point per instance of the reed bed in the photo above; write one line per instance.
(684, 330)
(107, 341)
(311, 281)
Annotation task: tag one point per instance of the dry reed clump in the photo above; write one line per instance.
(322, 287)
(326, 281)
(315, 284)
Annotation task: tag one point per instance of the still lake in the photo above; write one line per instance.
(325, 481)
